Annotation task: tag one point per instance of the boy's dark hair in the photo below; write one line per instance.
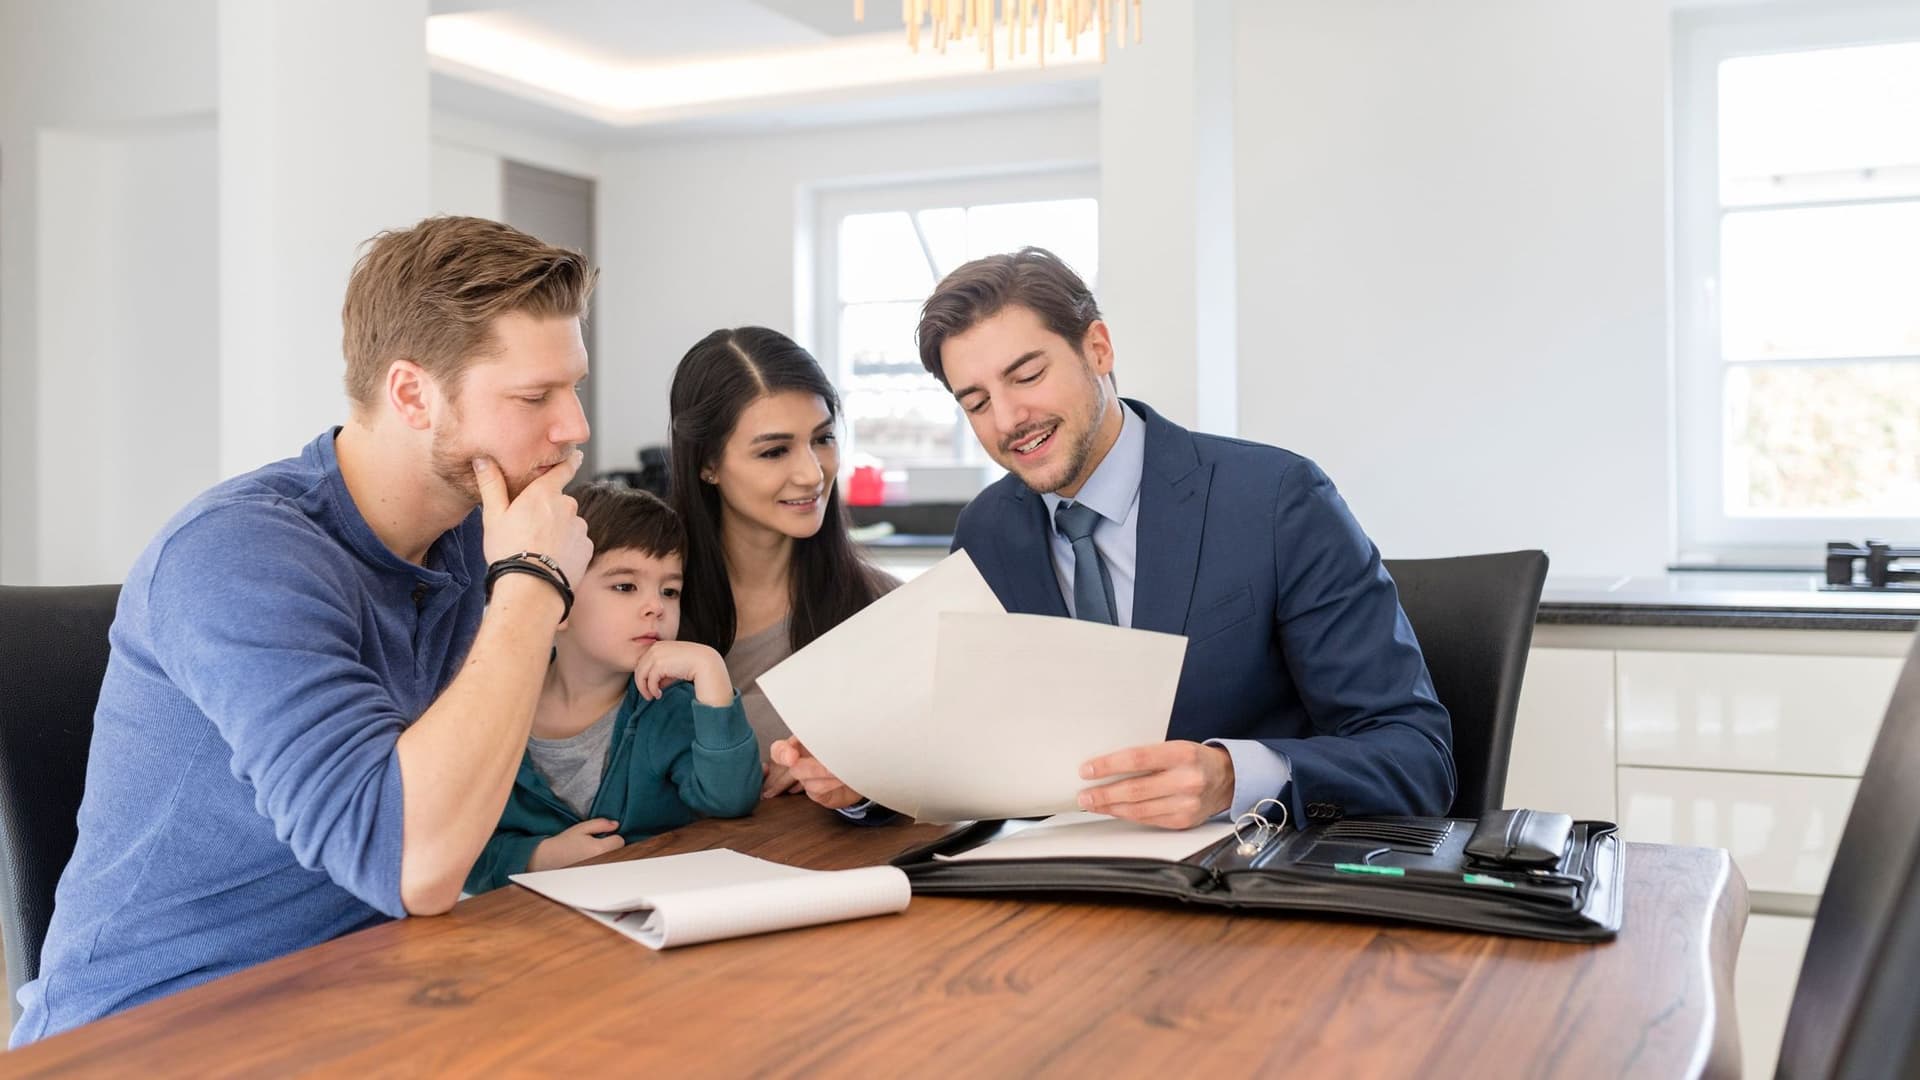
(622, 517)
(1032, 277)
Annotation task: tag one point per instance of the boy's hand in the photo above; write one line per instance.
(668, 662)
(578, 844)
(542, 519)
(820, 785)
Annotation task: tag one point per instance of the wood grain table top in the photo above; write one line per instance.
(513, 983)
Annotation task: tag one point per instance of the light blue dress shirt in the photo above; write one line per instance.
(1113, 491)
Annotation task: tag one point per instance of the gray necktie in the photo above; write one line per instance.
(1092, 586)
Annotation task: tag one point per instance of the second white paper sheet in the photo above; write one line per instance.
(1020, 702)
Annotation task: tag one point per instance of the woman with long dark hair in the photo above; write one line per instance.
(769, 564)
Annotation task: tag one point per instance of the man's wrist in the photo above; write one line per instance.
(525, 590)
(527, 564)
(1223, 793)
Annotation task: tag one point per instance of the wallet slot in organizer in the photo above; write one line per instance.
(1418, 837)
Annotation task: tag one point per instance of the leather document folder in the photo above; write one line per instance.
(1395, 868)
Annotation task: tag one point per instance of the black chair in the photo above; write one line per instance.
(1474, 617)
(1854, 1011)
(53, 654)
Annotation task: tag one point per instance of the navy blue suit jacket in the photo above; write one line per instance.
(1295, 635)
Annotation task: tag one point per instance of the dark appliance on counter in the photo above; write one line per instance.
(652, 475)
(1875, 565)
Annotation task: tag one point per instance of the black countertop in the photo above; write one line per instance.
(1757, 600)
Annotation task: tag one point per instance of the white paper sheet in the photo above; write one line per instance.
(1022, 701)
(938, 703)
(1083, 835)
(709, 895)
(853, 694)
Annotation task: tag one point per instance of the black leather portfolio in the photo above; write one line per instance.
(1411, 869)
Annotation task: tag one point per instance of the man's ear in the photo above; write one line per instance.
(411, 393)
(1097, 347)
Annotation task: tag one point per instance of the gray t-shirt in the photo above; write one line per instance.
(750, 658)
(573, 766)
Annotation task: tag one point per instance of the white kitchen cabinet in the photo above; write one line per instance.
(1763, 982)
(1781, 830)
(1751, 712)
(1563, 737)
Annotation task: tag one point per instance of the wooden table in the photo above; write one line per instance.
(513, 982)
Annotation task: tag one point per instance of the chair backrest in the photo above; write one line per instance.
(53, 654)
(1474, 618)
(1854, 1011)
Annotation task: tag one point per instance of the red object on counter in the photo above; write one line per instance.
(865, 487)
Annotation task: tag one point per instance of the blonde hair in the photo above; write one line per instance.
(430, 294)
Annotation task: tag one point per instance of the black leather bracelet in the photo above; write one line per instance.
(543, 561)
(517, 565)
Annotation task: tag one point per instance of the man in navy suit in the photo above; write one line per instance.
(1303, 680)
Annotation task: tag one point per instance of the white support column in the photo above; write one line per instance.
(323, 142)
(1167, 263)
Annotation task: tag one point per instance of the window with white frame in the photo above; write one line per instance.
(1797, 259)
(882, 251)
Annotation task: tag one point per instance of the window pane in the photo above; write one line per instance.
(1827, 440)
(946, 233)
(1070, 228)
(902, 419)
(881, 259)
(895, 411)
(877, 339)
(1824, 123)
(1827, 281)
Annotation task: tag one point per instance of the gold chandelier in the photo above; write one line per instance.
(1021, 21)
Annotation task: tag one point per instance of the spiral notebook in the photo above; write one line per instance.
(674, 900)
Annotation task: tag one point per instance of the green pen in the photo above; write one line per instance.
(1368, 868)
(1396, 871)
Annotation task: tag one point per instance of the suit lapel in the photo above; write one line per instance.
(1027, 559)
(1173, 513)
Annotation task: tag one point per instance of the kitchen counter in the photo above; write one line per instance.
(1760, 600)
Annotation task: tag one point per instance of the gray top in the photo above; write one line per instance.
(573, 766)
(754, 656)
(750, 658)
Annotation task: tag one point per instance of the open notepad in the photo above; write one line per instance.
(708, 895)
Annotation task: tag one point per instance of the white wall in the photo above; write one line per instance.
(295, 210)
(1452, 268)
(463, 181)
(128, 336)
(469, 156)
(113, 78)
(696, 235)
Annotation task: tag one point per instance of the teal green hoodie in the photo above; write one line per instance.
(671, 761)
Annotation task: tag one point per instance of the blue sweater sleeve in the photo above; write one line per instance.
(1360, 673)
(717, 771)
(261, 630)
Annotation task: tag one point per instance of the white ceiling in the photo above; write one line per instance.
(614, 70)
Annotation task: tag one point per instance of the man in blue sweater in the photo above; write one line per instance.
(312, 714)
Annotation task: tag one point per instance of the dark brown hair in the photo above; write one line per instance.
(430, 294)
(623, 518)
(719, 377)
(1032, 278)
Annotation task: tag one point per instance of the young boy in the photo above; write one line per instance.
(635, 733)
